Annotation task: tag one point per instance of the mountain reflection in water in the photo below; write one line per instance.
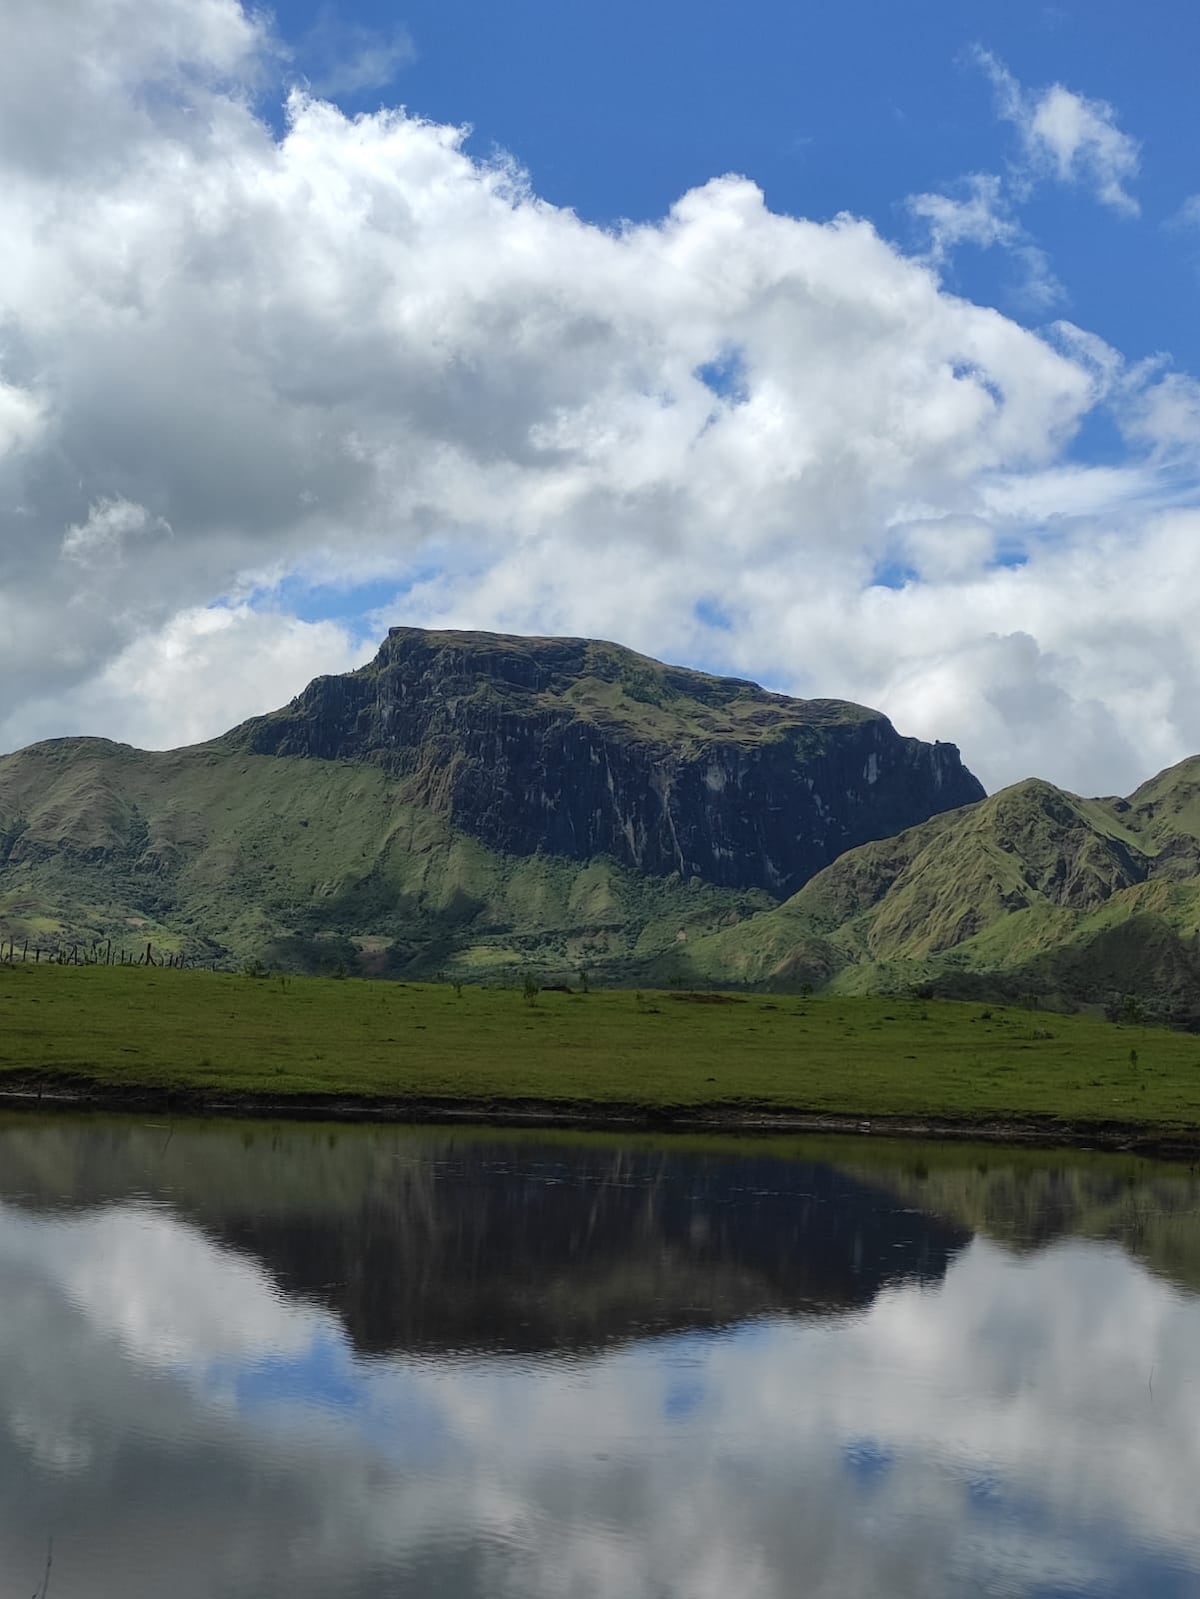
(249, 1359)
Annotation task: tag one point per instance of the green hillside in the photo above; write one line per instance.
(1032, 893)
(307, 865)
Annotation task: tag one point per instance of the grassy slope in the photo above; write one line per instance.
(226, 1034)
(219, 851)
(1059, 896)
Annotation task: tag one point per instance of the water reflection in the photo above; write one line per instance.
(268, 1361)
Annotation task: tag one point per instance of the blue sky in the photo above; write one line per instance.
(852, 349)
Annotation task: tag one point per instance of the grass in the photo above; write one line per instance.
(227, 854)
(226, 1035)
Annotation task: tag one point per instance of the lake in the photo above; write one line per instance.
(250, 1359)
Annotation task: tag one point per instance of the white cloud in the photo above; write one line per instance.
(207, 669)
(1069, 137)
(979, 218)
(352, 354)
(981, 214)
(83, 81)
(110, 524)
(1164, 413)
(1084, 660)
(352, 57)
(949, 547)
(21, 418)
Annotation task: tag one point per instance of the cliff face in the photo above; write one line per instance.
(579, 748)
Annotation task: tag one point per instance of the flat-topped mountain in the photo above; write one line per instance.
(466, 801)
(579, 748)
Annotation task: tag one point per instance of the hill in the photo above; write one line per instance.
(1032, 893)
(467, 802)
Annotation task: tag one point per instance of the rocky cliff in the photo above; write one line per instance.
(577, 748)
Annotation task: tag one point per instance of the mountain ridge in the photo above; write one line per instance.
(472, 798)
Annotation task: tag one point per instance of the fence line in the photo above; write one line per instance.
(99, 952)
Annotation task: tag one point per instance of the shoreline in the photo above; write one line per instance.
(1157, 1140)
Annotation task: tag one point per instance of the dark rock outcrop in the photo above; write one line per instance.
(581, 748)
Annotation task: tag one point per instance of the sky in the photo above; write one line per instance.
(852, 349)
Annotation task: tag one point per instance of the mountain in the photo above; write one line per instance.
(466, 802)
(581, 749)
(1032, 892)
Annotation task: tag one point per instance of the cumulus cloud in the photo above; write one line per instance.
(208, 668)
(1069, 137)
(351, 353)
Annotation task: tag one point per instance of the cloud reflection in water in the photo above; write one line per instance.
(1017, 1425)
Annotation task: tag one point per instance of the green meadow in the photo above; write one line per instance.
(223, 1037)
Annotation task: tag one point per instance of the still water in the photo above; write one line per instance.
(254, 1360)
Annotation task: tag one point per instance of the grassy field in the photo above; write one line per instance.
(225, 1036)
